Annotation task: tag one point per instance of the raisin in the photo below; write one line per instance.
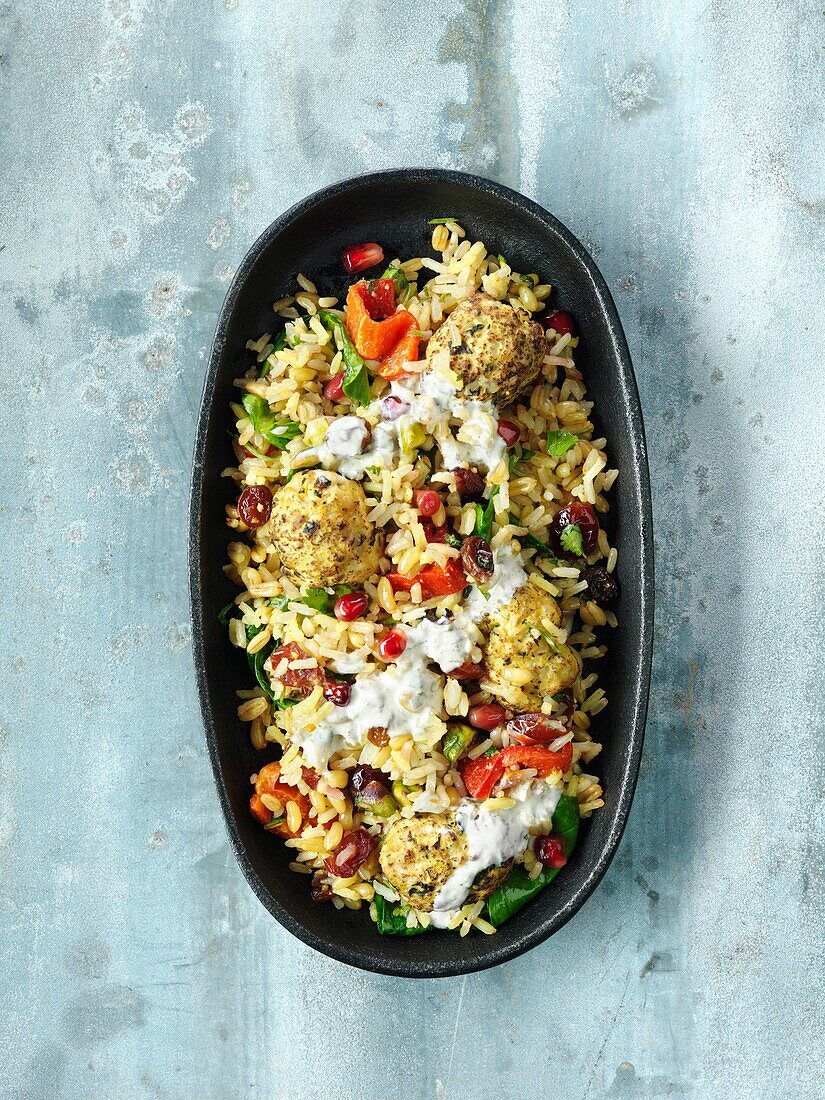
(477, 559)
(469, 485)
(601, 585)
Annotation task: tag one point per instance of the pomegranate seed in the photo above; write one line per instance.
(337, 692)
(509, 432)
(358, 257)
(350, 607)
(255, 505)
(550, 851)
(392, 645)
(580, 515)
(561, 321)
(486, 716)
(392, 407)
(334, 389)
(427, 501)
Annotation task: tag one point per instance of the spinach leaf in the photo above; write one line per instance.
(278, 344)
(571, 540)
(227, 613)
(559, 443)
(257, 660)
(392, 918)
(356, 378)
(484, 516)
(519, 888)
(264, 420)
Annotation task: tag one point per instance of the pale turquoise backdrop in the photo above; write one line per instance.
(143, 145)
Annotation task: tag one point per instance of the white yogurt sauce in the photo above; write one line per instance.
(493, 837)
(447, 642)
(403, 699)
(508, 577)
(341, 449)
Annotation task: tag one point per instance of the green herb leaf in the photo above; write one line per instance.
(454, 540)
(519, 888)
(319, 599)
(484, 516)
(559, 443)
(356, 378)
(551, 641)
(391, 918)
(571, 540)
(401, 281)
(441, 221)
(528, 280)
(281, 602)
(264, 420)
(276, 821)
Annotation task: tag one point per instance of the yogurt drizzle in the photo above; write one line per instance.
(493, 837)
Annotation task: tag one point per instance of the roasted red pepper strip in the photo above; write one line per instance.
(380, 301)
(482, 774)
(268, 782)
(374, 339)
(394, 365)
(434, 580)
(538, 757)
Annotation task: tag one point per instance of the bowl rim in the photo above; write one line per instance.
(494, 955)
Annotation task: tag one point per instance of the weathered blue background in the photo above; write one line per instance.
(143, 145)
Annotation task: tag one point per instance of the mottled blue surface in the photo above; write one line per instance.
(143, 145)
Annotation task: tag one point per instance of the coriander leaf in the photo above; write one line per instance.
(398, 277)
(559, 443)
(571, 540)
(441, 221)
(356, 378)
(551, 641)
(265, 421)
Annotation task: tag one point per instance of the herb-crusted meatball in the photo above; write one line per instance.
(420, 853)
(321, 531)
(500, 352)
(511, 644)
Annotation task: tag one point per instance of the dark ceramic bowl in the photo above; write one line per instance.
(393, 208)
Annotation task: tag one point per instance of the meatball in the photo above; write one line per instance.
(321, 531)
(501, 349)
(511, 644)
(419, 854)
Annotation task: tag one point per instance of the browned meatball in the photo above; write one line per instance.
(501, 348)
(321, 531)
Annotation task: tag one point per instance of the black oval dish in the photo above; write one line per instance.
(393, 208)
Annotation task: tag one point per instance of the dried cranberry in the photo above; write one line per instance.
(364, 774)
(509, 432)
(255, 505)
(533, 726)
(567, 703)
(351, 606)
(378, 735)
(358, 257)
(392, 645)
(433, 533)
(337, 692)
(320, 891)
(467, 671)
(354, 850)
(334, 389)
(299, 680)
(486, 716)
(601, 585)
(581, 515)
(477, 559)
(561, 321)
(427, 501)
(469, 485)
(550, 851)
(310, 777)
